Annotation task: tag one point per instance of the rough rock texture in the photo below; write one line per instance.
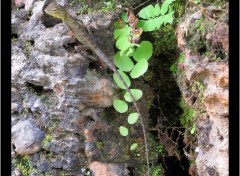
(59, 97)
(26, 137)
(102, 169)
(212, 150)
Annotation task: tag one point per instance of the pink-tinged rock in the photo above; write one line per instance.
(29, 4)
(19, 3)
(104, 169)
(216, 101)
(220, 35)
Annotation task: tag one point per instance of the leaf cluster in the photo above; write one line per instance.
(132, 57)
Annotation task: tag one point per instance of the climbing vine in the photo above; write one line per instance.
(133, 55)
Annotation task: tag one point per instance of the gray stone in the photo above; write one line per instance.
(43, 166)
(27, 137)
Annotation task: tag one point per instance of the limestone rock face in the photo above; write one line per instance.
(213, 74)
(27, 137)
(102, 169)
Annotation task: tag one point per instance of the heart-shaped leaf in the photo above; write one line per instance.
(139, 69)
(132, 118)
(119, 82)
(120, 106)
(144, 51)
(133, 146)
(123, 131)
(137, 94)
(123, 62)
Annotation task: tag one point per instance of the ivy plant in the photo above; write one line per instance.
(133, 55)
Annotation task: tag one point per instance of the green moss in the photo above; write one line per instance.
(174, 67)
(47, 139)
(23, 164)
(197, 36)
(186, 119)
(99, 144)
(99, 6)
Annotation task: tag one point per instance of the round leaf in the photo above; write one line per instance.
(123, 131)
(139, 69)
(133, 146)
(123, 43)
(119, 82)
(144, 51)
(137, 94)
(132, 118)
(120, 106)
(123, 62)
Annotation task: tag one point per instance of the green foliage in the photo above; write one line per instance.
(132, 118)
(133, 57)
(193, 129)
(144, 51)
(158, 170)
(151, 19)
(173, 67)
(120, 106)
(23, 164)
(160, 148)
(186, 119)
(139, 69)
(123, 131)
(137, 94)
(119, 82)
(123, 62)
(47, 139)
(134, 146)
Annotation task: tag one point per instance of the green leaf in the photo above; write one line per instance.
(159, 21)
(123, 131)
(169, 1)
(147, 12)
(141, 23)
(137, 94)
(164, 8)
(123, 62)
(157, 10)
(149, 25)
(119, 82)
(124, 17)
(123, 43)
(133, 146)
(193, 129)
(144, 51)
(120, 106)
(132, 118)
(129, 51)
(119, 33)
(168, 18)
(139, 69)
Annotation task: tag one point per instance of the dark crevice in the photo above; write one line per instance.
(37, 88)
(48, 21)
(165, 112)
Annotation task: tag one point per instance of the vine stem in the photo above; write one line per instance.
(140, 117)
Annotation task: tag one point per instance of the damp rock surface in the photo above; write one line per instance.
(207, 65)
(27, 137)
(60, 96)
